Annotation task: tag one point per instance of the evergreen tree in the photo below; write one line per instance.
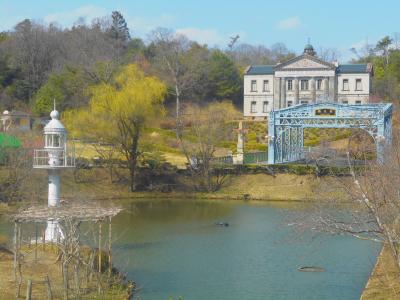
(119, 29)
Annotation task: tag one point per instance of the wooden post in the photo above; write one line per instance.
(18, 263)
(44, 238)
(36, 237)
(19, 237)
(15, 250)
(65, 279)
(29, 290)
(109, 249)
(47, 282)
(100, 248)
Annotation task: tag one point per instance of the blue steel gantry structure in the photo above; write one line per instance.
(286, 126)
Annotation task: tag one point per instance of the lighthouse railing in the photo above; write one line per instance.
(54, 158)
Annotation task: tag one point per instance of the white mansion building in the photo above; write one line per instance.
(301, 80)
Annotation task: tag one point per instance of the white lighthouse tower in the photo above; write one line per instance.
(54, 157)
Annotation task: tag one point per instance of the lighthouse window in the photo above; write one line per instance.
(56, 141)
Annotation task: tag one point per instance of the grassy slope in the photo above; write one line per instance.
(384, 283)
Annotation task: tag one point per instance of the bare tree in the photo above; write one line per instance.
(169, 51)
(34, 51)
(328, 54)
(366, 202)
(18, 166)
(208, 125)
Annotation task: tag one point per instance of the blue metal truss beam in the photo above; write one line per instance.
(286, 126)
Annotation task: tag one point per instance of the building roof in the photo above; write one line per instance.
(54, 125)
(16, 113)
(353, 68)
(341, 69)
(260, 70)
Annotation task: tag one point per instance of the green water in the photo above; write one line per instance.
(174, 248)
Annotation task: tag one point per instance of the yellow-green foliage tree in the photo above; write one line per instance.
(119, 111)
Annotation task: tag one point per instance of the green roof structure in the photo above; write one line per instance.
(9, 141)
(260, 70)
(352, 68)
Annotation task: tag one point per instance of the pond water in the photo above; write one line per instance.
(174, 249)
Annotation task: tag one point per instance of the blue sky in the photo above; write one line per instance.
(329, 24)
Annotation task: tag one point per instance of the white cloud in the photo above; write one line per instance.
(88, 12)
(142, 26)
(289, 23)
(203, 36)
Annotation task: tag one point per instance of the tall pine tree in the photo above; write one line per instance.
(119, 29)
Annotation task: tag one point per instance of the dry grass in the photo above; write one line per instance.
(267, 187)
(384, 283)
(36, 271)
(176, 159)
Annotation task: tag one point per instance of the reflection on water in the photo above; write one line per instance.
(173, 248)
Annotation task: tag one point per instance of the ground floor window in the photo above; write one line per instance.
(358, 101)
(345, 102)
(265, 106)
(253, 106)
(289, 103)
(304, 102)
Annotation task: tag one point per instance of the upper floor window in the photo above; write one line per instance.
(253, 106)
(265, 106)
(265, 86)
(358, 85)
(254, 85)
(319, 84)
(304, 85)
(345, 84)
(290, 85)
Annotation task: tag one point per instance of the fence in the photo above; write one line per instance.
(255, 158)
(223, 160)
(248, 158)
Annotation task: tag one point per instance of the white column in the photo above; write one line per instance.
(283, 93)
(277, 93)
(296, 91)
(53, 231)
(326, 89)
(332, 89)
(54, 188)
(312, 89)
(240, 145)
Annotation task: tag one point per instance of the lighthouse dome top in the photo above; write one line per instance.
(54, 125)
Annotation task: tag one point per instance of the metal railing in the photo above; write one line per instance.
(53, 159)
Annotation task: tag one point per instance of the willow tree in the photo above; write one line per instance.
(119, 111)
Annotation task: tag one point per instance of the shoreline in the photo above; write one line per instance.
(383, 282)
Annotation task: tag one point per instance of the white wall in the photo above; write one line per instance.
(351, 96)
(259, 96)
